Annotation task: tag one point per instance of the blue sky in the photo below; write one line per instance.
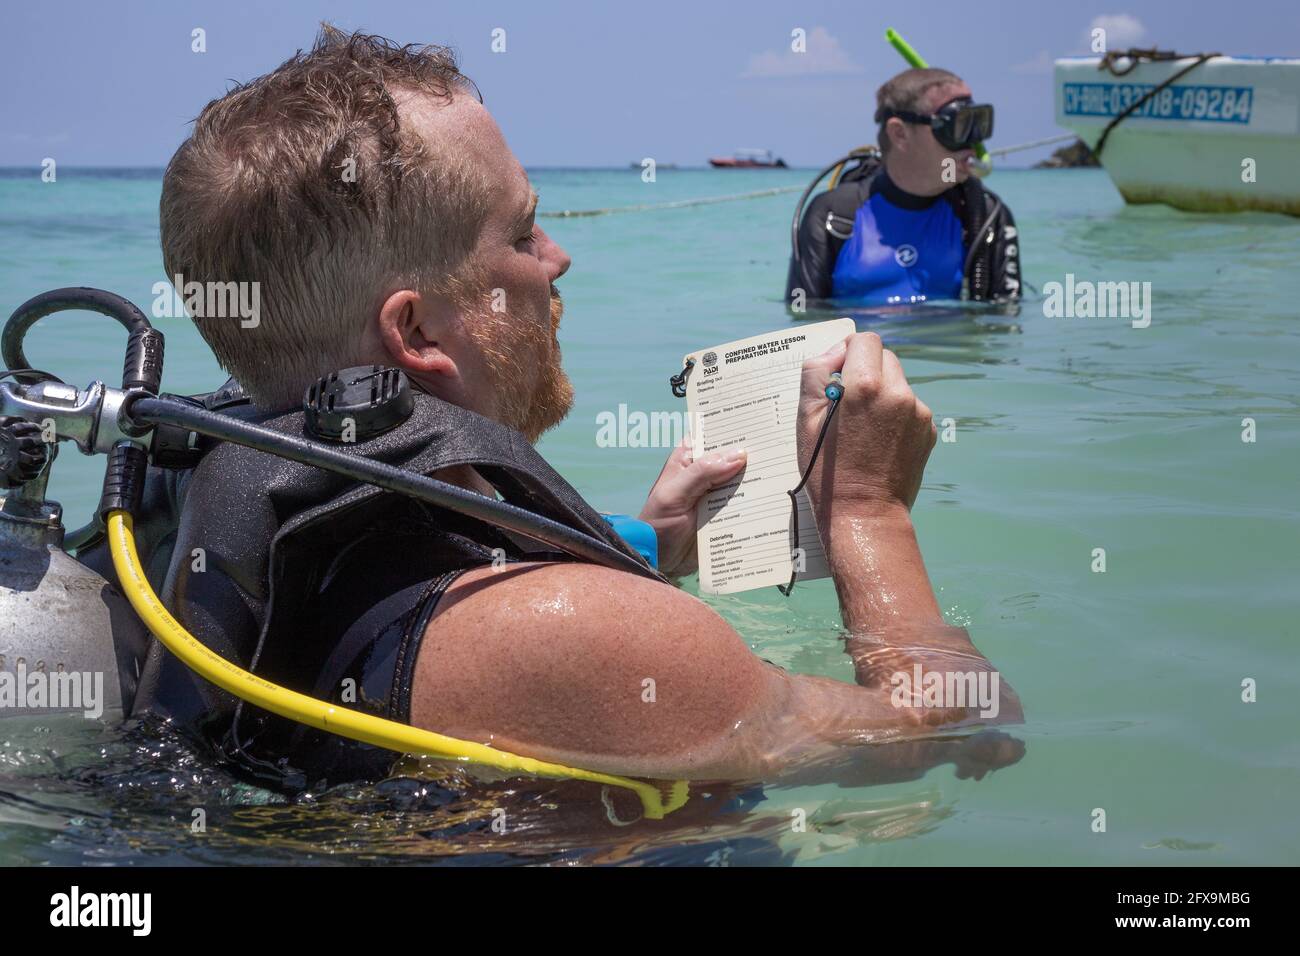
(585, 83)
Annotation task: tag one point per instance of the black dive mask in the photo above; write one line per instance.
(959, 124)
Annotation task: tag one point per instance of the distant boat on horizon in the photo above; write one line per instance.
(748, 159)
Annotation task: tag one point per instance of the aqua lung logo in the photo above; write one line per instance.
(906, 256)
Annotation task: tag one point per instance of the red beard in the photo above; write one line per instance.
(514, 355)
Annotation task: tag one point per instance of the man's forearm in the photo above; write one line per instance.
(894, 622)
(878, 571)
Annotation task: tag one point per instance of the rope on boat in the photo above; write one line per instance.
(676, 204)
(1109, 63)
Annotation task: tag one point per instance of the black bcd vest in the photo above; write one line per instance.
(268, 561)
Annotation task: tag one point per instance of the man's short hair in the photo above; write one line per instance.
(305, 182)
(907, 92)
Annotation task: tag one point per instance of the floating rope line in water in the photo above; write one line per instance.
(677, 204)
(758, 194)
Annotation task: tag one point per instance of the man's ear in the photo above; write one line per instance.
(896, 131)
(410, 326)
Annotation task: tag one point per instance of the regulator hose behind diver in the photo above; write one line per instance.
(68, 299)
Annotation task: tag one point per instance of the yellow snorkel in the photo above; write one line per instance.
(983, 163)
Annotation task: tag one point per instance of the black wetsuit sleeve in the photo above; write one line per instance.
(811, 269)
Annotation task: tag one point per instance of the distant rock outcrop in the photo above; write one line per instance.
(1068, 157)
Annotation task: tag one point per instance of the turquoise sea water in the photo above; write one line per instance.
(1072, 435)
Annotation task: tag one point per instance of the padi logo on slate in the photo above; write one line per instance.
(710, 361)
(134, 910)
(906, 256)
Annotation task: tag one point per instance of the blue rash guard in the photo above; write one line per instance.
(904, 249)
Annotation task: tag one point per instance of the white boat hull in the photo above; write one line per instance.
(1223, 138)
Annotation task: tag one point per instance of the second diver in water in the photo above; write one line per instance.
(911, 224)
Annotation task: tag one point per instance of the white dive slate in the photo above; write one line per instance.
(746, 394)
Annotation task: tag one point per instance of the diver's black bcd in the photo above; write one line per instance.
(358, 403)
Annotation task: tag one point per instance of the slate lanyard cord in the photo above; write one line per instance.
(678, 381)
(834, 391)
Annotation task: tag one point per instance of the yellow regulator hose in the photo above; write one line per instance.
(343, 721)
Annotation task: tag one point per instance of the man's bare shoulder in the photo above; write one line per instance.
(587, 665)
(595, 668)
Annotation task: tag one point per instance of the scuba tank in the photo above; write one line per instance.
(57, 616)
(62, 625)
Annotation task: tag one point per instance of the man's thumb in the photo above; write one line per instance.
(713, 469)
